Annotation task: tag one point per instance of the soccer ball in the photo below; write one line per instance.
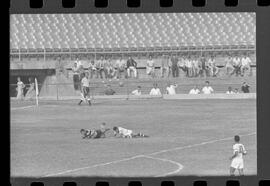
(121, 84)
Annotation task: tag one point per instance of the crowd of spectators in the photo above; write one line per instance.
(195, 65)
(206, 89)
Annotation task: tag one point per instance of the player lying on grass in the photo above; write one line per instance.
(237, 158)
(94, 133)
(126, 133)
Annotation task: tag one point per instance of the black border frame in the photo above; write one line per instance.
(263, 87)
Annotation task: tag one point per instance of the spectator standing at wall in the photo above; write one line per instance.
(155, 91)
(106, 67)
(203, 71)
(92, 68)
(229, 65)
(188, 64)
(236, 65)
(101, 64)
(207, 89)
(245, 65)
(181, 65)
(80, 68)
(20, 88)
(195, 65)
(131, 67)
(194, 90)
(164, 68)
(170, 66)
(110, 69)
(76, 77)
(211, 66)
(150, 67)
(245, 87)
(175, 70)
(137, 92)
(121, 67)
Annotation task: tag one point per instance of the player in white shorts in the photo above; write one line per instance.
(126, 133)
(237, 158)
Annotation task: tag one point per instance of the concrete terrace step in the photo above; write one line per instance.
(219, 84)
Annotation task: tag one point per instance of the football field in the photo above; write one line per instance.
(187, 137)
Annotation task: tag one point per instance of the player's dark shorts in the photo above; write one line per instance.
(86, 91)
(99, 134)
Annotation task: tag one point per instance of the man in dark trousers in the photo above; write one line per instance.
(131, 66)
(203, 65)
(175, 69)
(245, 88)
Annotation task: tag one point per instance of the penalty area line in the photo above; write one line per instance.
(180, 167)
(26, 107)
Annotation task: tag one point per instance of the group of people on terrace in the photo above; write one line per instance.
(190, 65)
(206, 89)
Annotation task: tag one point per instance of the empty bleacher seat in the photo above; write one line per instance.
(131, 30)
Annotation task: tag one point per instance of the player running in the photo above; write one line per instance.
(85, 89)
(94, 133)
(237, 158)
(126, 133)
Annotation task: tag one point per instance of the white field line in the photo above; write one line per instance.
(142, 155)
(179, 165)
(18, 108)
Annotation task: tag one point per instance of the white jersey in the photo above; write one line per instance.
(125, 132)
(207, 90)
(246, 61)
(238, 162)
(136, 92)
(194, 91)
(85, 82)
(238, 147)
(171, 89)
(150, 63)
(230, 92)
(155, 92)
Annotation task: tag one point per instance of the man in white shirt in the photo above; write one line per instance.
(92, 68)
(212, 66)
(155, 91)
(195, 66)
(188, 64)
(194, 90)
(171, 89)
(164, 68)
(229, 65)
(207, 89)
(150, 67)
(137, 92)
(237, 158)
(245, 65)
(237, 65)
(120, 66)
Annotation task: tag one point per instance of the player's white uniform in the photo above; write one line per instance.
(238, 162)
(125, 132)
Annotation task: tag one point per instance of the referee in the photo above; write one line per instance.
(85, 89)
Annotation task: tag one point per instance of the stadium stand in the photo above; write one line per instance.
(39, 32)
(36, 40)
